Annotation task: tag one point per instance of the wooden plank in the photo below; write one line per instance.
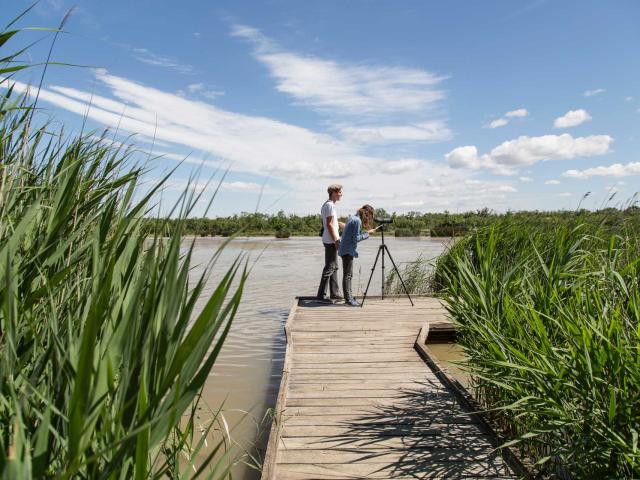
(380, 443)
(430, 470)
(353, 386)
(366, 410)
(357, 401)
(387, 456)
(349, 419)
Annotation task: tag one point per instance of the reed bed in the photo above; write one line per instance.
(102, 354)
(549, 320)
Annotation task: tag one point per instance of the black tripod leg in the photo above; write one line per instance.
(371, 276)
(399, 276)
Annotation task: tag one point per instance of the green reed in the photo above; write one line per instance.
(549, 320)
(102, 353)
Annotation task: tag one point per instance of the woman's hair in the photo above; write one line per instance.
(366, 214)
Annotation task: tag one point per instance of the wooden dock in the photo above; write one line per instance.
(357, 401)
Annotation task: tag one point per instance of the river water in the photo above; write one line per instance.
(246, 376)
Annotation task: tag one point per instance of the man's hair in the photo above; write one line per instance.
(334, 187)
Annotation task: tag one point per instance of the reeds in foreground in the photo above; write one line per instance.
(102, 356)
(549, 320)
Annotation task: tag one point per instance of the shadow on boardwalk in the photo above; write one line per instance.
(423, 434)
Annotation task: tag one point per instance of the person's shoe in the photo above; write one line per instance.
(337, 297)
(323, 298)
(352, 302)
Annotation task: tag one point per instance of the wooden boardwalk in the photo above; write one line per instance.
(357, 401)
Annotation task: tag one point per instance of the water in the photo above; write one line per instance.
(246, 376)
(451, 358)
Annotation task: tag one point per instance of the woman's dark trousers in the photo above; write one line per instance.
(329, 272)
(347, 274)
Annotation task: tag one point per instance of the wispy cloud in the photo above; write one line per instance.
(615, 170)
(146, 56)
(433, 131)
(552, 182)
(597, 91)
(355, 89)
(572, 118)
(506, 118)
(202, 90)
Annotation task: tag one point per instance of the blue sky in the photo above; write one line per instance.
(411, 105)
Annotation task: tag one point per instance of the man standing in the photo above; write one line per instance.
(331, 241)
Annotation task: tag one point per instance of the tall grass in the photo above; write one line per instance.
(102, 355)
(549, 319)
(416, 276)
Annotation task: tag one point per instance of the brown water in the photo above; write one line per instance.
(246, 376)
(451, 358)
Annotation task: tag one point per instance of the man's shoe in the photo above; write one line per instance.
(337, 297)
(352, 302)
(323, 299)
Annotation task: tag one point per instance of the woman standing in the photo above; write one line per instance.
(349, 247)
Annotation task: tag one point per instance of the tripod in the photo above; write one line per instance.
(381, 251)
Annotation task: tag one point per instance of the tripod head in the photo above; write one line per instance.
(382, 222)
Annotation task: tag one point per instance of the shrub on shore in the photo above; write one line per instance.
(549, 317)
(449, 230)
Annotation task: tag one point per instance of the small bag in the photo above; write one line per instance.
(321, 223)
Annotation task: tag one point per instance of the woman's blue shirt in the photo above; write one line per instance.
(351, 236)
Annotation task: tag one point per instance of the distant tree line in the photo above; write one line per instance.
(406, 224)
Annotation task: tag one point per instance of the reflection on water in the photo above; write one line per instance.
(246, 376)
(451, 358)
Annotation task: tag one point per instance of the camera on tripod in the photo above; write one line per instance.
(383, 221)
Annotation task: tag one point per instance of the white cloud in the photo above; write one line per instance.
(504, 158)
(564, 194)
(400, 166)
(552, 182)
(615, 170)
(529, 150)
(525, 179)
(345, 88)
(412, 203)
(242, 186)
(500, 122)
(628, 99)
(520, 112)
(433, 131)
(591, 93)
(572, 118)
(463, 157)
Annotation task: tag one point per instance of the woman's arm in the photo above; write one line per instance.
(360, 235)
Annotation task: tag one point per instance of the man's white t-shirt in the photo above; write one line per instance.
(329, 210)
